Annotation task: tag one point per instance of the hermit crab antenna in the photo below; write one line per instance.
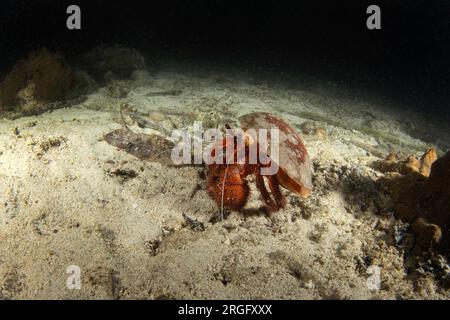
(223, 191)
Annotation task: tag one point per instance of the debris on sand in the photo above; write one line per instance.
(193, 224)
(164, 93)
(135, 120)
(145, 147)
(125, 174)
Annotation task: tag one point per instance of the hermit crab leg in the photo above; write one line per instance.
(274, 186)
(265, 194)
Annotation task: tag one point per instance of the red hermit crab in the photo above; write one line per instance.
(227, 183)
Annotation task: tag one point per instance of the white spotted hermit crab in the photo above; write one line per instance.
(227, 183)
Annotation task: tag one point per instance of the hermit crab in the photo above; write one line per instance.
(227, 180)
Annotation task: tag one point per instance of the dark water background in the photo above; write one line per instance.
(326, 42)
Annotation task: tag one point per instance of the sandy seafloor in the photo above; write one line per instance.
(61, 203)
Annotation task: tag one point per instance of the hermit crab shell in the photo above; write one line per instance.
(294, 172)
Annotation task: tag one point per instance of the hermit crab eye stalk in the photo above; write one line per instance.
(248, 139)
